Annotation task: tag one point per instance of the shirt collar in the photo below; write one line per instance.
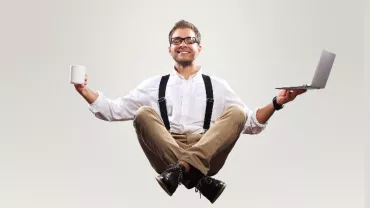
(193, 77)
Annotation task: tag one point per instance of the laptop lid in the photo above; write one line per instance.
(323, 69)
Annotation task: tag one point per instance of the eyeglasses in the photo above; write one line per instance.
(188, 40)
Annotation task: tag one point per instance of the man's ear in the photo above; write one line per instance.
(169, 49)
(200, 47)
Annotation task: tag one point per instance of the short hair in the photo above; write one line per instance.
(185, 24)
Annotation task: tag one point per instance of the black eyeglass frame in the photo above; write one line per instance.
(186, 39)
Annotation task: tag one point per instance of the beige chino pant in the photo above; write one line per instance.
(207, 152)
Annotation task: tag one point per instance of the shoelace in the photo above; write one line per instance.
(201, 182)
(173, 168)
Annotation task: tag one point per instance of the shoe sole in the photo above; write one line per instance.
(163, 186)
(219, 193)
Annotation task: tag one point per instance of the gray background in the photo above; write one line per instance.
(54, 153)
(367, 97)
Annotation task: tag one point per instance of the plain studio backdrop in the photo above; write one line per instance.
(367, 99)
(55, 153)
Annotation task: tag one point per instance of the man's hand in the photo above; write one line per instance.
(81, 87)
(286, 96)
(89, 95)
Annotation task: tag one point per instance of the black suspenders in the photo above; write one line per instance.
(162, 101)
(209, 107)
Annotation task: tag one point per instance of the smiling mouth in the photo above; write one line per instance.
(183, 52)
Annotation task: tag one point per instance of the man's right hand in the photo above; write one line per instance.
(81, 87)
(89, 95)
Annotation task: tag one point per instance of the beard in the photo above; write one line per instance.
(184, 62)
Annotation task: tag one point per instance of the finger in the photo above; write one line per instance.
(289, 93)
(286, 92)
(295, 93)
(282, 92)
(300, 92)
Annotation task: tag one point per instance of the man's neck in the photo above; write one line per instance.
(187, 71)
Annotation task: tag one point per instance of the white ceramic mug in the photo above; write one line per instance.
(77, 74)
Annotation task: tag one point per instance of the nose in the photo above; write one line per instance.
(183, 43)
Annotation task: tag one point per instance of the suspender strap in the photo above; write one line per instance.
(162, 100)
(210, 101)
(163, 106)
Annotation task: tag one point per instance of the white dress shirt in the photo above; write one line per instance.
(186, 103)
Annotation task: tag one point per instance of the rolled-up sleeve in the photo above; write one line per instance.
(119, 109)
(252, 125)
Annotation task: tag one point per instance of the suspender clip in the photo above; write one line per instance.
(210, 100)
(162, 99)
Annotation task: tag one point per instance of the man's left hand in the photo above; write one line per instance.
(286, 96)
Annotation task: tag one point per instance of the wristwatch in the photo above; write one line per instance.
(276, 105)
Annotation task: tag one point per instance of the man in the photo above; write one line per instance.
(187, 122)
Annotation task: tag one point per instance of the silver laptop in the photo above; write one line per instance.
(321, 74)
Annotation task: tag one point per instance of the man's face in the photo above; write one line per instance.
(183, 53)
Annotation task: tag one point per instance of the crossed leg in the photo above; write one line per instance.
(208, 153)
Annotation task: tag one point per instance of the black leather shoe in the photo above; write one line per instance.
(210, 188)
(171, 178)
(192, 178)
